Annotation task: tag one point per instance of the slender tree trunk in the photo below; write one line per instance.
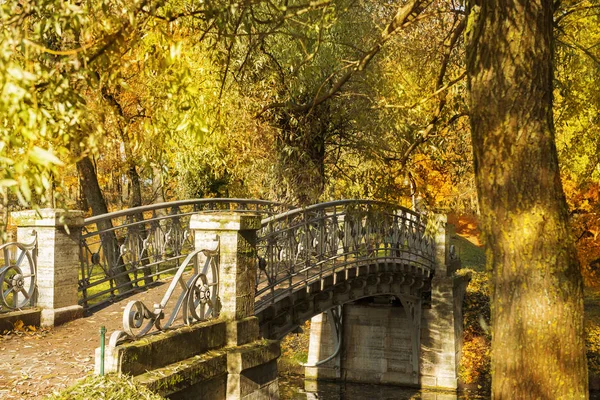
(538, 349)
(158, 194)
(93, 195)
(136, 201)
(4, 216)
(137, 232)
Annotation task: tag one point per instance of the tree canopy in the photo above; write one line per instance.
(109, 104)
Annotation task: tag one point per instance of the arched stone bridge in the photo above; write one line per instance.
(334, 253)
(295, 264)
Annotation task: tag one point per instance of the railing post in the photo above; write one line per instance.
(236, 233)
(57, 261)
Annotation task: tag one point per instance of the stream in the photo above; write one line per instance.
(297, 388)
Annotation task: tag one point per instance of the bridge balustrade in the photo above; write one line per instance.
(18, 275)
(125, 250)
(302, 246)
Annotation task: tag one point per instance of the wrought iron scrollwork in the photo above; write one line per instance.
(198, 299)
(18, 275)
(299, 246)
(124, 250)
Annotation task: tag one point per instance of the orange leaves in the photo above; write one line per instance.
(584, 203)
(475, 361)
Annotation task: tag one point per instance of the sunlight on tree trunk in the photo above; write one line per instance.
(94, 197)
(538, 349)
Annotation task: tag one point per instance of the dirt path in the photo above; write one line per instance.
(33, 364)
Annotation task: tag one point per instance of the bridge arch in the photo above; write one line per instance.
(409, 285)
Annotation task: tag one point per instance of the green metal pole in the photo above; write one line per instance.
(102, 340)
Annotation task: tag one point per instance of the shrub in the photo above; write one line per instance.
(592, 343)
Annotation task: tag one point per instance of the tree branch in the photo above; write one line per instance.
(404, 15)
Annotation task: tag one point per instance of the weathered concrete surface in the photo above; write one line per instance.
(195, 362)
(29, 317)
(321, 346)
(252, 371)
(57, 262)
(195, 377)
(442, 324)
(441, 333)
(237, 257)
(160, 350)
(242, 358)
(376, 346)
(242, 331)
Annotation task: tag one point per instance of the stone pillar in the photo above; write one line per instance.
(249, 375)
(322, 345)
(442, 325)
(58, 234)
(236, 233)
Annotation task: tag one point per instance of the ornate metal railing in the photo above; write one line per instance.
(301, 246)
(18, 275)
(125, 250)
(197, 298)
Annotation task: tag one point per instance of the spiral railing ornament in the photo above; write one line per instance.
(18, 275)
(301, 246)
(193, 293)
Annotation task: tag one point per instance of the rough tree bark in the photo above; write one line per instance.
(94, 197)
(538, 349)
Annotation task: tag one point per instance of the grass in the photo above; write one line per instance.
(166, 270)
(109, 387)
(471, 255)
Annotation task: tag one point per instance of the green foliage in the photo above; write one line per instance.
(294, 352)
(209, 95)
(109, 387)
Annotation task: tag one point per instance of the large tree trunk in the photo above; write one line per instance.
(110, 245)
(538, 349)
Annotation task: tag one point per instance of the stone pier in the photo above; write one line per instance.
(378, 339)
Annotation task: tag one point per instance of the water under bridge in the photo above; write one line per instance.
(377, 280)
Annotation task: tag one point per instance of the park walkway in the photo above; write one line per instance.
(36, 363)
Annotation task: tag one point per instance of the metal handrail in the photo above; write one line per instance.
(198, 301)
(117, 248)
(179, 203)
(302, 245)
(337, 203)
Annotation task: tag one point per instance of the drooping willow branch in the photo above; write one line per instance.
(405, 14)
